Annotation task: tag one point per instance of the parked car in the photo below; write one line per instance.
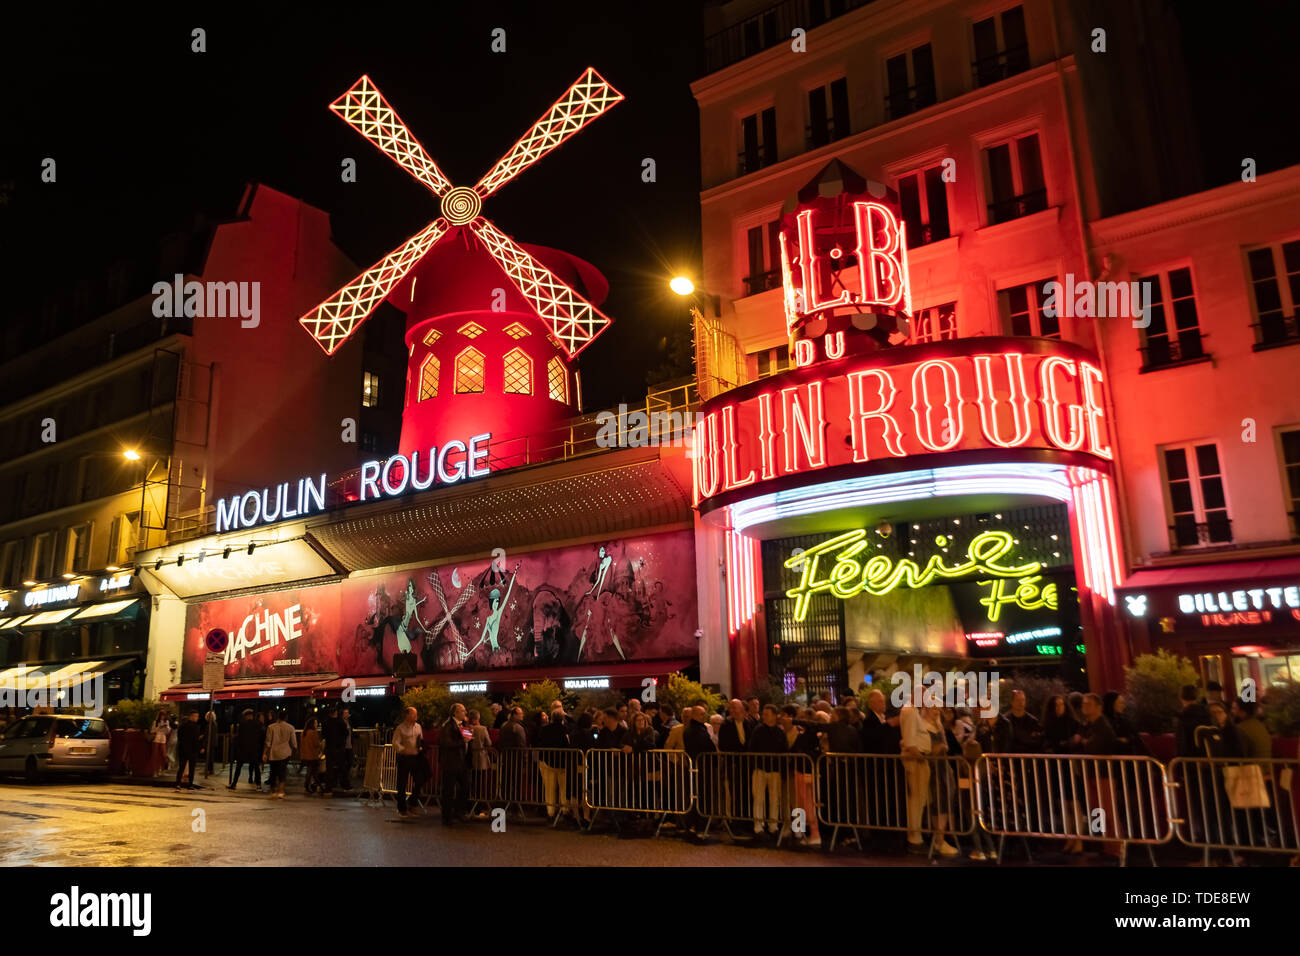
(55, 743)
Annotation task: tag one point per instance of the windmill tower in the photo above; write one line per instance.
(492, 326)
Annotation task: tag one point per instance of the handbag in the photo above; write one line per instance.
(1245, 787)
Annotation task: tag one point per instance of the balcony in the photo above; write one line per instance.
(818, 136)
(1191, 533)
(911, 100)
(1164, 351)
(1276, 329)
(1017, 207)
(991, 69)
(918, 235)
(750, 160)
(769, 28)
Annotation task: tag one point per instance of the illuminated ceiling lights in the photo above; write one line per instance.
(574, 321)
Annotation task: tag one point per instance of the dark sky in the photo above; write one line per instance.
(145, 133)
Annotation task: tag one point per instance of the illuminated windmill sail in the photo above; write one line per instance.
(572, 320)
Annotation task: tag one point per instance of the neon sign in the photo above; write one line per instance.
(848, 576)
(873, 411)
(1251, 599)
(63, 592)
(1029, 595)
(262, 507)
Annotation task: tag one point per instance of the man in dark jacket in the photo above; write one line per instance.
(696, 740)
(453, 763)
(248, 750)
(878, 735)
(188, 742)
(765, 776)
(513, 734)
(610, 770)
(1193, 715)
(336, 739)
(1018, 731)
(842, 737)
(733, 738)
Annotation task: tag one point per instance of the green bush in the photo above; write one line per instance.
(1152, 683)
(1037, 691)
(1282, 709)
(538, 696)
(136, 714)
(599, 699)
(432, 703)
(678, 691)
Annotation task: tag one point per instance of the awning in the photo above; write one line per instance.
(622, 674)
(270, 690)
(193, 691)
(11, 622)
(46, 618)
(69, 675)
(117, 610)
(364, 686)
(1195, 575)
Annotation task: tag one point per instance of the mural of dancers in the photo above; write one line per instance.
(497, 603)
(448, 622)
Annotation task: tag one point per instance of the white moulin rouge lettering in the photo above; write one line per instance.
(284, 501)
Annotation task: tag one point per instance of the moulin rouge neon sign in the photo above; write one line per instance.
(875, 410)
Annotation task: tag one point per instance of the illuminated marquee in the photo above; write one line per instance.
(868, 409)
(879, 574)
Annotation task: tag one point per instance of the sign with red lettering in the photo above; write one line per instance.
(894, 407)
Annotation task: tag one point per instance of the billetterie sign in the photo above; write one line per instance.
(454, 461)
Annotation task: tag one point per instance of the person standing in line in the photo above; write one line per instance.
(765, 777)
(345, 766)
(453, 763)
(160, 733)
(408, 745)
(309, 751)
(280, 746)
(248, 751)
(553, 763)
(336, 730)
(188, 743)
(480, 760)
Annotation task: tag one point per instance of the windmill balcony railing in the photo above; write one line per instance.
(670, 413)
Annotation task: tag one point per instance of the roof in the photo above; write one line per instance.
(1209, 575)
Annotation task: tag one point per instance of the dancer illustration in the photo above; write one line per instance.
(583, 643)
(412, 613)
(493, 623)
(598, 575)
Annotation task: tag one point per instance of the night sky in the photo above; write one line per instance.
(147, 133)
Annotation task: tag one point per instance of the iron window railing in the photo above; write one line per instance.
(1191, 533)
(762, 282)
(1166, 350)
(999, 66)
(908, 101)
(1277, 329)
(770, 27)
(1016, 207)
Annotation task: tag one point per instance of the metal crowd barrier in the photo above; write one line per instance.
(485, 785)
(891, 792)
(541, 777)
(1120, 800)
(655, 782)
(381, 774)
(758, 789)
(1232, 804)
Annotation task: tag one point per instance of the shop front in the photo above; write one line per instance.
(1239, 621)
(880, 504)
(85, 639)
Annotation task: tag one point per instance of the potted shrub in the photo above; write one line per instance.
(1152, 682)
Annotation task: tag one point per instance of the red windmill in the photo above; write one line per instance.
(484, 356)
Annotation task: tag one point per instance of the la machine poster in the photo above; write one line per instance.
(628, 599)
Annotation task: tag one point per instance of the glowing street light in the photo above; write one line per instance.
(682, 285)
(130, 454)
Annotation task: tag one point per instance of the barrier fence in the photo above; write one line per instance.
(1229, 804)
(1114, 801)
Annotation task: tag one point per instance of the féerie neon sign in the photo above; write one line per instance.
(879, 574)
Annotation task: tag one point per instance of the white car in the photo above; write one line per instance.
(55, 743)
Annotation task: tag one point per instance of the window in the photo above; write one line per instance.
(41, 566)
(758, 138)
(923, 196)
(370, 390)
(1276, 298)
(432, 336)
(909, 79)
(518, 373)
(771, 361)
(10, 555)
(1022, 312)
(763, 245)
(429, 370)
(76, 554)
(828, 113)
(469, 371)
(122, 537)
(557, 380)
(935, 324)
(1198, 505)
(1016, 186)
(1164, 345)
(369, 441)
(515, 330)
(1001, 47)
(471, 330)
(1290, 442)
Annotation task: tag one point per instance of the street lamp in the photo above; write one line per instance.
(682, 285)
(130, 454)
